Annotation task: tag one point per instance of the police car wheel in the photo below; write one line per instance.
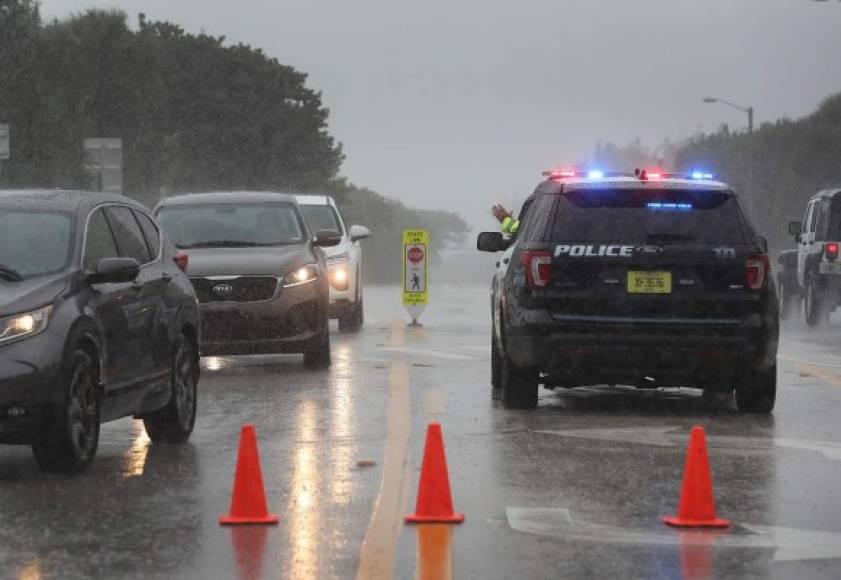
(496, 370)
(518, 386)
(816, 312)
(756, 391)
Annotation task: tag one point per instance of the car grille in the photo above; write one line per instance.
(242, 289)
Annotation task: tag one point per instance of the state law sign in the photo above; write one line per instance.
(415, 262)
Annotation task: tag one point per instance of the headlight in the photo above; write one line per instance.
(24, 324)
(337, 259)
(339, 277)
(303, 275)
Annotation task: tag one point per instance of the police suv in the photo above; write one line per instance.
(645, 279)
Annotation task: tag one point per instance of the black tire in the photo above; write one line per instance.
(496, 368)
(174, 423)
(317, 355)
(518, 386)
(814, 307)
(756, 391)
(789, 299)
(353, 322)
(70, 441)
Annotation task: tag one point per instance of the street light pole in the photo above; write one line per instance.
(749, 111)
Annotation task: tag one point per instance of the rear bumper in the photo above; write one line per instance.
(285, 324)
(597, 350)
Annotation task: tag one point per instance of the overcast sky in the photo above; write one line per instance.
(456, 103)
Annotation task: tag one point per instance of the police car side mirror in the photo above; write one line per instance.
(491, 242)
(795, 228)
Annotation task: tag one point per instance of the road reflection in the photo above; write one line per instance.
(31, 571)
(134, 460)
(249, 549)
(303, 506)
(435, 552)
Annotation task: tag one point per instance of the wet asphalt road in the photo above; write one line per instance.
(573, 489)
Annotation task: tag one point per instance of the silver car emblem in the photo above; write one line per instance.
(223, 290)
(649, 250)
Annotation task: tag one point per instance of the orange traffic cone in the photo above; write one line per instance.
(697, 505)
(248, 502)
(435, 503)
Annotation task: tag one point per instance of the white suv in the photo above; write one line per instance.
(344, 261)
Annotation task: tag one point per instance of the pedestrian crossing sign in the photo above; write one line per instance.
(415, 263)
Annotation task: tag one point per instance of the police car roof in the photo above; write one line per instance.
(558, 185)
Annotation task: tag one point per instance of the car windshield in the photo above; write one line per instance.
(232, 225)
(321, 217)
(33, 243)
(638, 217)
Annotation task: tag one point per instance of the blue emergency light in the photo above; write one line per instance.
(667, 206)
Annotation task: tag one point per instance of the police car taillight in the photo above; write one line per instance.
(757, 271)
(831, 250)
(538, 266)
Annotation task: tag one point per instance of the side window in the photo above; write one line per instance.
(814, 217)
(807, 217)
(824, 210)
(150, 233)
(130, 241)
(99, 242)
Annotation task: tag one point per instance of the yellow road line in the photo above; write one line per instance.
(377, 556)
(825, 376)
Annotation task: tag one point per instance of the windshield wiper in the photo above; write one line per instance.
(10, 274)
(224, 244)
(667, 237)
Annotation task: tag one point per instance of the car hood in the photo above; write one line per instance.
(272, 261)
(31, 293)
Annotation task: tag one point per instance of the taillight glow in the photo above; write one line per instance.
(756, 272)
(182, 260)
(538, 266)
(831, 250)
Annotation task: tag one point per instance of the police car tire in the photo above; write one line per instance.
(756, 391)
(815, 311)
(519, 386)
(496, 369)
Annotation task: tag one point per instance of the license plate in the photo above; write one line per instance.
(649, 282)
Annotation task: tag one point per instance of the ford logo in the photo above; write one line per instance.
(223, 290)
(649, 250)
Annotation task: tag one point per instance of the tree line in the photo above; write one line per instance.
(777, 167)
(194, 114)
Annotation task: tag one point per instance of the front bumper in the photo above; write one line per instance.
(284, 324)
(599, 350)
(30, 372)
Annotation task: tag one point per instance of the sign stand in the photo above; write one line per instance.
(415, 262)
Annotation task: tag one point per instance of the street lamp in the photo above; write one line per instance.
(748, 110)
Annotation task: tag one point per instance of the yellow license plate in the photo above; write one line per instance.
(649, 282)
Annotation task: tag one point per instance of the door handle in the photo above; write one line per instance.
(166, 277)
(505, 260)
(136, 286)
(497, 264)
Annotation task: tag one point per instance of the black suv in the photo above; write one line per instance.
(97, 321)
(642, 280)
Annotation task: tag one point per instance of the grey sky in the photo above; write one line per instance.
(457, 103)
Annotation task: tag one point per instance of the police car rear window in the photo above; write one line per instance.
(636, 216)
